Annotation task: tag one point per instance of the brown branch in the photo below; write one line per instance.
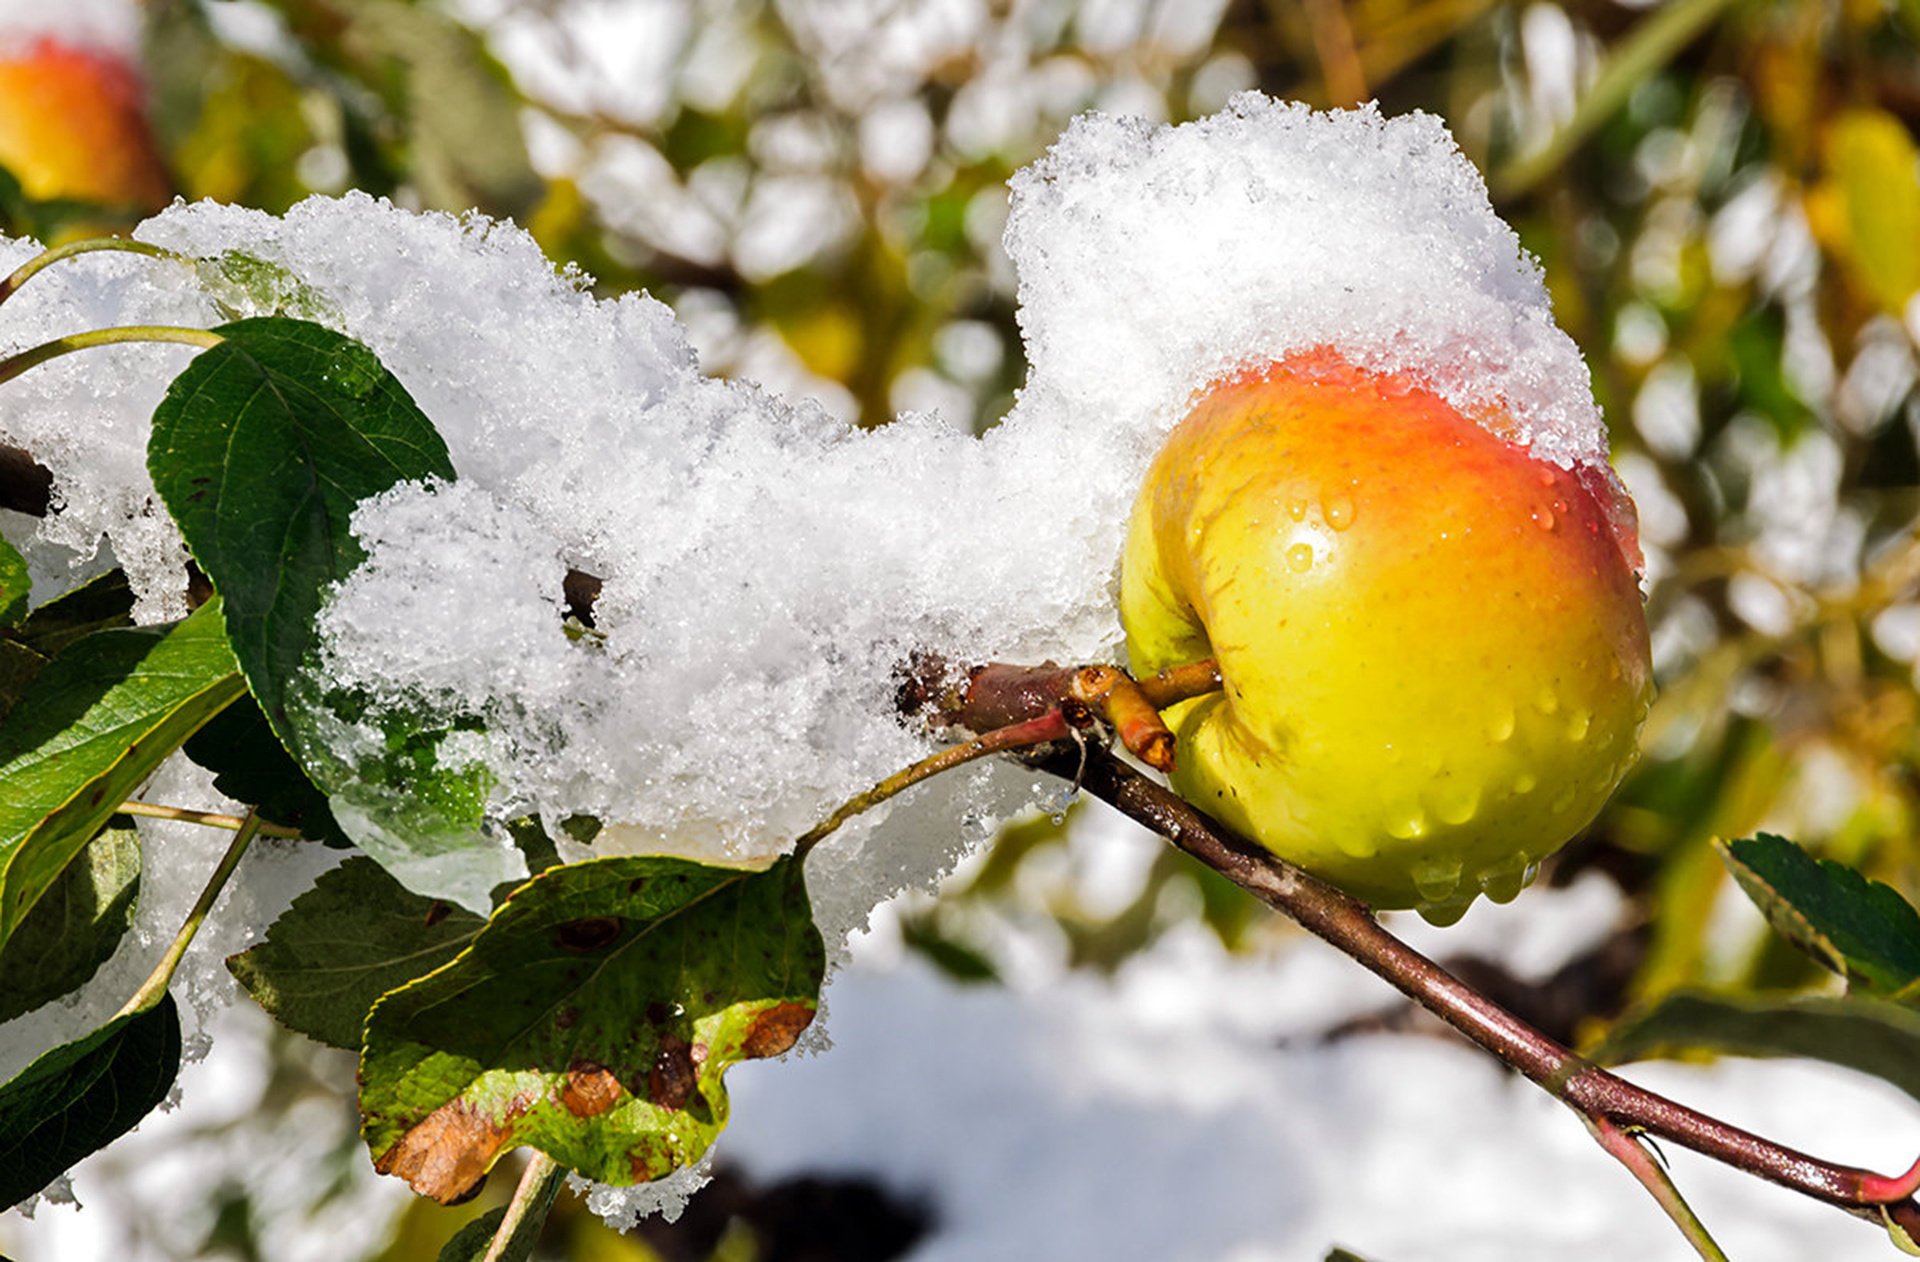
(1602, 1098)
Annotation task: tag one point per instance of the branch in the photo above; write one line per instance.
(1603, 1099)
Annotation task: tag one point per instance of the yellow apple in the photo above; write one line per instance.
(1433, 646)
(73, 127)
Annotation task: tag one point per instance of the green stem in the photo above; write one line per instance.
(212, 819)
(157, 981)
(1651, 45)
(527, 1211)
(14, 365)
(47, 258)
(1627, 1149)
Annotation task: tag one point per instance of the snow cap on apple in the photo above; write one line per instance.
(1385, 508)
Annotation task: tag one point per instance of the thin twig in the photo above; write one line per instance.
(1050, 726)
(14, 365)
(46, 258)
(156, 984)
(527, 1211)
(183, 815)
(1630, 1152)
(1349, 925)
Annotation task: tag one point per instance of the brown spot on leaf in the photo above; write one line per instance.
(637, 884)
(437, 913)
(672, 1078)
(447, 1153)
(590, 934)
(775, 1030)
(567, 1017)
(591, 1089)
(658, 1013)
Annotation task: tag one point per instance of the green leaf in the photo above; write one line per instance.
(470, 1243)
(76, 924)
(1859, 928)
(89, 731)
(354, 936)
(593, 1018)
(19, 666)
(14, 584)
(250, 765)
(1872, 1036)
(81, 1096)
(99, 604)
(262, 449)
(242, 284)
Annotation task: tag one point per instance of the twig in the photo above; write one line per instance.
(1050, 726)
(1597, 1095)
(527, 1211)
(183, 815)
(156, 983)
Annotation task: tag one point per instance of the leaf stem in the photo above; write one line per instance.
(47, 258)
(13, 365)
(527, 1212)
(156, 984)
(183, 815)
(1050, 726)
(1626, 1148)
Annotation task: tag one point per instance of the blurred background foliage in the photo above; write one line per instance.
(1724, 196)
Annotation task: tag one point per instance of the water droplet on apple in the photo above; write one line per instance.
(1456, 804)
(1440, 915)
(1564, 801)
(1501, 728)
(1525, 783)
(1503, 882)
(1408, 824)
(1437, 879)
(1578, 724)
(1543, 517)
(1300, 558)
(1548, 701)
(1297, 509)
(1338, 510)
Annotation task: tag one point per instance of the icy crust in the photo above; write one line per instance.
(764, 568)
(1155, 259)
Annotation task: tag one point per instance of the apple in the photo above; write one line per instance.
(1432, 645)
(73, 127)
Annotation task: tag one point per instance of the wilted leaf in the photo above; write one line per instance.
(1859, 928)
(354, 936)
(76, 925)
(88, 731)
(262, 449)
(81, 1096)
(1872, 1036)
(593, 1018)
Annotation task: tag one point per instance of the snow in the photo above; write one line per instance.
(764, 566)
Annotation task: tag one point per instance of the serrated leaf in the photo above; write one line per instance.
(14, 585)
(262, 449)
(89, 731)
(1862, 929)
(81, 1096)
(594, 1019)
(76, 925)
(354, 936)
(1873, 1036)
(251, 766)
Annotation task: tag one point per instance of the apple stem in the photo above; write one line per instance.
(1602, 1099)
